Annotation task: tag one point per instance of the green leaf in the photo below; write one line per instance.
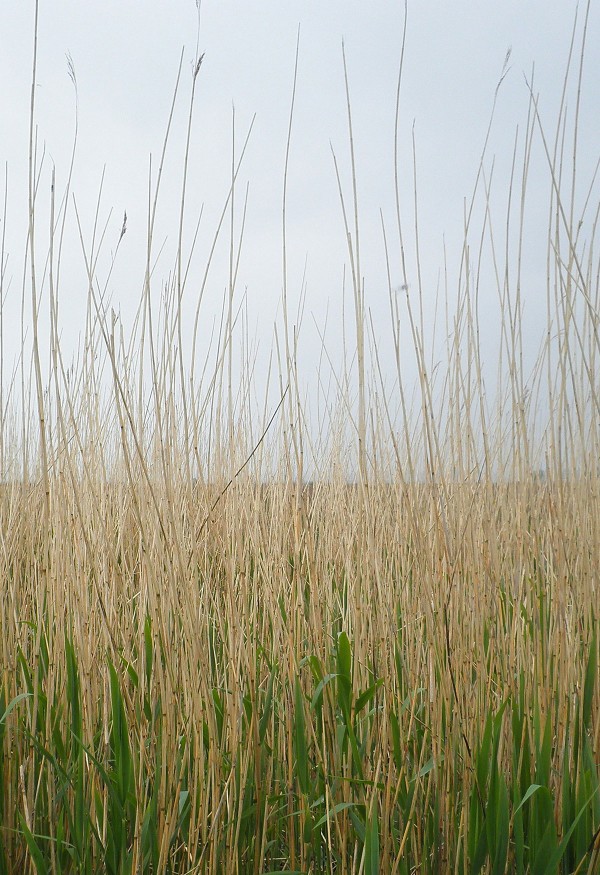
(545, 852)
(315, 667)
(341, 806)
(344, 666)
(13, 703)
(284, 872)
(367, 696)
(33, 848)
(557, 854)
(122, 773)
(481, 850)
(264, 720)
(544, 756)
(184, 800)
(591, 675)
(356, 757)
(319, 690)
(531, 790)
(372, 844)
(502, 829)
(396, 746)
(483, 757)
(357, 822)
(425, 769)
(300, 738)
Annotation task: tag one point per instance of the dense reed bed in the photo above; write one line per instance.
(226, 651)
(291, 689)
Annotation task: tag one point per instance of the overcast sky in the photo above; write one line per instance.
(126, 54)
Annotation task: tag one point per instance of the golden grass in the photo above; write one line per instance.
(206, 667)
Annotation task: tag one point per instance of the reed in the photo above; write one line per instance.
(209, 664)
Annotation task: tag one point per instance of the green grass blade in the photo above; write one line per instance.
(480, 851)
(591, 676)
(367, 696)
(300, 739)
(532, 789)
(372, 844)
(344, 671)
(266, 715)
(341, 806)
(545, 851)
(483, 757)
(502, 828)
(34, 849)
(12, 704)
(317, 696)
(119, 734)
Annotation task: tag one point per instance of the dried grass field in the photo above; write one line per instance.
(224, 651)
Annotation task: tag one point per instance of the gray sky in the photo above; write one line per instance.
(126, 54)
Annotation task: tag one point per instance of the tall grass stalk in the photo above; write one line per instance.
(241, 643)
